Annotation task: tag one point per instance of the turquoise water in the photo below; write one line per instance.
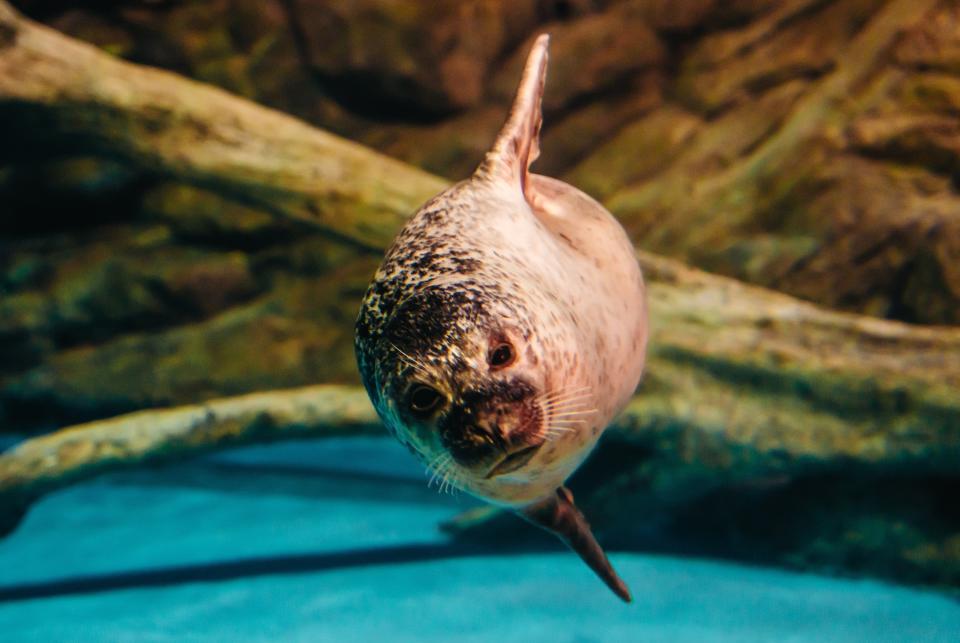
(337, 541)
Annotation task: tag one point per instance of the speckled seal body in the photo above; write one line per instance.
(507, 324)
(567, 293)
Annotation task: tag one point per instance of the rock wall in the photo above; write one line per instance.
(806, 145)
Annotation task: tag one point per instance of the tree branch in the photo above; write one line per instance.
(41, 465)
(742, 382)
(198, 134)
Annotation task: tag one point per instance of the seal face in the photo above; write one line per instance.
(456, 360)
(505, 328)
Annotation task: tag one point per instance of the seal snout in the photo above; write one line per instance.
(495, 431)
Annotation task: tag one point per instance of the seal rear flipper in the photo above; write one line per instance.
(558, 515)
(561, 207)
(518, 143)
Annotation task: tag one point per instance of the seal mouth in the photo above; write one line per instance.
(513, 461)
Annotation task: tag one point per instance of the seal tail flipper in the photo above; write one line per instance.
(518, 143)
(558, 515)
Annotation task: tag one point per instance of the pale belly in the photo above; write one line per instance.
(601, 289)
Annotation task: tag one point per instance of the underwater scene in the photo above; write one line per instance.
(543, 320)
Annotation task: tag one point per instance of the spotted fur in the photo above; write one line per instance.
(506, 256)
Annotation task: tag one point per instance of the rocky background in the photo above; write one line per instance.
(811, 146)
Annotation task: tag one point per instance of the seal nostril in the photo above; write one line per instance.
(489, 436)
(471, 443)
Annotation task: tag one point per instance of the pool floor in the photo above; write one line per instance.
(337, 541)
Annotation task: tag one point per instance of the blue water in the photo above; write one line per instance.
(337, 541)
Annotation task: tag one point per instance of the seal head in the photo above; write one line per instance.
(505, 328)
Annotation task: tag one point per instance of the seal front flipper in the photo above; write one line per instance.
(558, 515)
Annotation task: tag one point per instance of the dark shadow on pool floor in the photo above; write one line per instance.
(250, 567)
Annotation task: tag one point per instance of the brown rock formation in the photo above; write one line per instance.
(807, 146)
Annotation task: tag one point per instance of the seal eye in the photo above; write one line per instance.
(424, 399)
(501, 356)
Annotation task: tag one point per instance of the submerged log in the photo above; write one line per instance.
(43, 464)
(743, 383)
(73, 93)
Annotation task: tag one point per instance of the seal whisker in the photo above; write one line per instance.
(574, 408)
(437, 466)
(564, 403)
(444, 487)
(565, 394)
(567, 399)
(553, 399)
(573, 413)
(412, 362)
(554, 394)
(443, 483)
(402, 352)
(555, 432)
(451, 480)
(418, 368)
(448, 481)
(559, 415)
(572, 389)
(568, 391)
(436, 460)
(572, 402)
(444, 472)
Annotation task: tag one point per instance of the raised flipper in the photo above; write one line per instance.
(518, 143)
(558, 515)
(562, 208)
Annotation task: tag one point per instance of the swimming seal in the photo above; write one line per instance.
(505, 328)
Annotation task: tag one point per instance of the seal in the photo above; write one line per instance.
(505, 328)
